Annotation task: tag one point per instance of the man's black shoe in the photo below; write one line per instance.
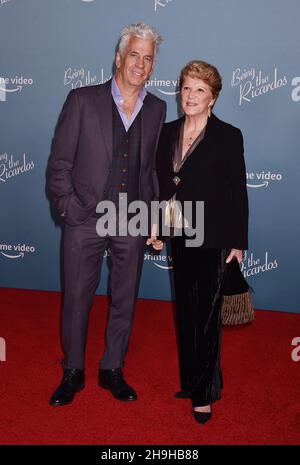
(72, 382)
(115, 382)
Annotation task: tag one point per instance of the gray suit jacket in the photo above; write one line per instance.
(82, 149)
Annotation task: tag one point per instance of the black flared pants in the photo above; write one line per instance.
(198, 276)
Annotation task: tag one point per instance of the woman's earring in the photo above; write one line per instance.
(209, 111)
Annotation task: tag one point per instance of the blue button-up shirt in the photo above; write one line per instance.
(119, 100)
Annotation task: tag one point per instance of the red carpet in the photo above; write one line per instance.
(260, 403)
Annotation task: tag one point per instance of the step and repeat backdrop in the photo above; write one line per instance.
(49, 47)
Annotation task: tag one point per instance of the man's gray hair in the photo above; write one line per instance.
(140, 30)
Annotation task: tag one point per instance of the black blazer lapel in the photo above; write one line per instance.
(103, 101)
(212, 128)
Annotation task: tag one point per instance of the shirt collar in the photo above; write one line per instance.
(118, 97)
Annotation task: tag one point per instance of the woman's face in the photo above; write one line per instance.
(196, 97)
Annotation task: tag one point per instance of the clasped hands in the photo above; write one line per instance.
(156, 243)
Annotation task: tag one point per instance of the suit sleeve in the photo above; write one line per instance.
(237, 175)
(63, 152)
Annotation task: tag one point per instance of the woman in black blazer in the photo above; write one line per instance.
(200, 158)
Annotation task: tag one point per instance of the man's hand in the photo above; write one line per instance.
(238, 254)
(156, 244)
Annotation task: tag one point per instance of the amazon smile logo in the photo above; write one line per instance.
(13, 85)
(13, 252)
(262, 179)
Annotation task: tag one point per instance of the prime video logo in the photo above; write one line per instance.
(162, 260)
(12, 251)
(262, 178)
(161, 84)
(17, 83)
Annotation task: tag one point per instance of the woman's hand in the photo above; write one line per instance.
(238, 254)
(156, 244)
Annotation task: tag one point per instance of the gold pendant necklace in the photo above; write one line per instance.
(176, 180)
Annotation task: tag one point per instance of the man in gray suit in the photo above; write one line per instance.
(104, 148)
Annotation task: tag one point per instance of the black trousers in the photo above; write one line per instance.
(198, 276)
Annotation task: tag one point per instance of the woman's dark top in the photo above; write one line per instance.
(214, 173)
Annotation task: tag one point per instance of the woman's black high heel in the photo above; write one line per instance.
(202, 417)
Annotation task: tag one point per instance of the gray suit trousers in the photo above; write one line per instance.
(83, 255)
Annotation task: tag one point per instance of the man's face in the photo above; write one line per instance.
(136, 64)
